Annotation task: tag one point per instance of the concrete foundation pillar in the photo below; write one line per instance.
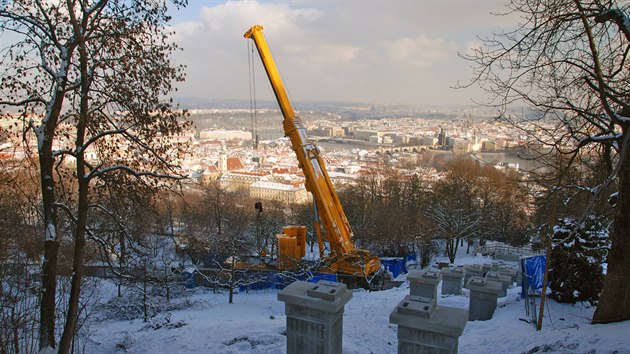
(452, 280)
(505, 281)
(472, 270)
(483, 298)
(424, 327)
(511, 272)
(485, 268)
(496, 265)
(314, 316)
(424, 283)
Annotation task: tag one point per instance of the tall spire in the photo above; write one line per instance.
(223, 158)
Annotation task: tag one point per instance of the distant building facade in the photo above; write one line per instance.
(225, 135)
(234, 181)
(286, 193)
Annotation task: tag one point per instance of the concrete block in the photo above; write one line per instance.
(437, 331)
(417, 305)
(326, 290)
(505, 281)
(496, 265)
(508, 257)
(485, 268)
(452, 280)
(483, 298)
(424, 283)
(472, 270)
(315, 316)
(511, 272)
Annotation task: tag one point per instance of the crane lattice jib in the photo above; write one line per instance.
(338, 231)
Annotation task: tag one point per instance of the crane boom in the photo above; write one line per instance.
(345, 257)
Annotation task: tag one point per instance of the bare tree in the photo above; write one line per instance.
(569, 61)
(452, 223)
(86, 79)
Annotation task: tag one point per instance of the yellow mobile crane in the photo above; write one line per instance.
(344, 258)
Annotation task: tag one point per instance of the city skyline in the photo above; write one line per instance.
(397, 52)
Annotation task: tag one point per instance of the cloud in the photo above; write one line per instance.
(355, 51)
(238, 16)
(421, 51)
(318, 55)
(214, 50)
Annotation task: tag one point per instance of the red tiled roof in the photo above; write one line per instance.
(234, 163)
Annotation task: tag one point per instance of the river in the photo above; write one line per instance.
(493, 158)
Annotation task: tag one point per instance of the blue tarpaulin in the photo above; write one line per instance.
(188, 278)
(533, 273)
(395, 265)
(279, 281)
(323, 276)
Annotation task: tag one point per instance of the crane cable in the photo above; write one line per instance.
(252, 91)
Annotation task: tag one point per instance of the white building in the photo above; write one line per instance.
(225, 135)
(286, 193)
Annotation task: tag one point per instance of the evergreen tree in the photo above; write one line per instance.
(577, 258)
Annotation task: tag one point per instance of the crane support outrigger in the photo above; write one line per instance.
(344, 258)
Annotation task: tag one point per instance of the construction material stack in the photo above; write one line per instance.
(291, 247)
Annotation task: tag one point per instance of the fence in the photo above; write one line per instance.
(506, 252)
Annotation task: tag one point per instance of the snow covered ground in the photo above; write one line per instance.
(255, 323)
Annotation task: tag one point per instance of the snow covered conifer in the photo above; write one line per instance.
(577, 257)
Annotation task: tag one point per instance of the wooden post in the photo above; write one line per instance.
(543, 295)
(550, 233)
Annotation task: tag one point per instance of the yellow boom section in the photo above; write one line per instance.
(338, 231)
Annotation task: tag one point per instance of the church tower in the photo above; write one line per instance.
(223, 158)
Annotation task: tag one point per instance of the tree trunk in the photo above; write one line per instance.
(51, 241)
(82, 207)
(77, 274)
(122, 259)
(232, 282)
(614, 302)
(16, 332)
(48, 303)
(451, 249)
(145, 298)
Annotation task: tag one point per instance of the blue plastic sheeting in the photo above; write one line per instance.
(394, 265)
(412, 257)
(533, 273)
(278, 281)
(323, 276)
(188, 279)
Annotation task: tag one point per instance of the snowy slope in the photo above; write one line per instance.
(255, 323)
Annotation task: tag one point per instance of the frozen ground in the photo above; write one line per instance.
(255, 323)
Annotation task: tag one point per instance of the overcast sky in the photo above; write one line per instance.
(362, 51)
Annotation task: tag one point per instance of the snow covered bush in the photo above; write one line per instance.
(577, 257)
(139, 302)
